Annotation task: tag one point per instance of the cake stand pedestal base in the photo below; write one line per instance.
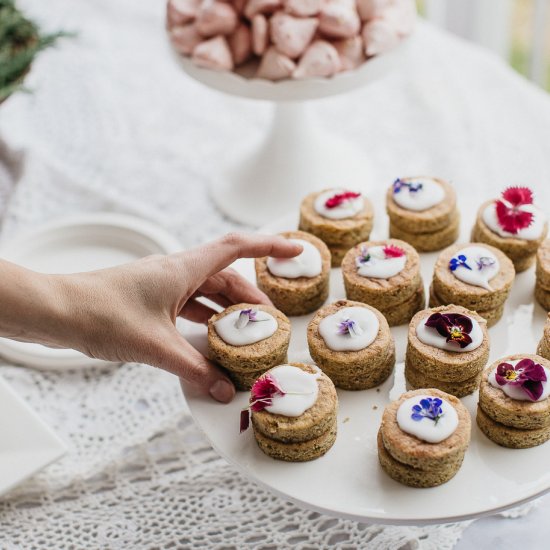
(298, 156)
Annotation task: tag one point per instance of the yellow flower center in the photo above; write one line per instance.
(456, 332)
(511, 375)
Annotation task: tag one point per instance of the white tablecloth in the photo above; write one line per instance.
(114, 125)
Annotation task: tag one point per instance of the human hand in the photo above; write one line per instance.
(128, 313)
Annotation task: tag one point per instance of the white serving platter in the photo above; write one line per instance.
(26, 443)
(85, 243)
(348, 482)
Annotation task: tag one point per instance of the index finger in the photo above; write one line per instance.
(218, 254)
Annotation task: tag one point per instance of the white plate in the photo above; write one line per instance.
(86, 243)
(348, 482)
(26, 443)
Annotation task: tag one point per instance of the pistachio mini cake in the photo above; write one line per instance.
(476, 276)
(293, 409)
(513, 224)
(297, 285)
(247, 340)
(447, 349)
(385, 275)
(542, 286)
(514, 401)
(339, 217)
(544, 344)
(352, 344)
(423, 212)
(423, 437)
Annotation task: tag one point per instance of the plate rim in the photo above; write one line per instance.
(11, 350)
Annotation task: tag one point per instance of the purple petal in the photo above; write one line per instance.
(533, 389)
(245, 420)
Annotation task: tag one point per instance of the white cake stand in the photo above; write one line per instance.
(263, 181)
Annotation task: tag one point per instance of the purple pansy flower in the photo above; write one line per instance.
(527, 374)
(453, 326)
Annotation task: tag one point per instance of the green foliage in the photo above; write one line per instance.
(20, 41)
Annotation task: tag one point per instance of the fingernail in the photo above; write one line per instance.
(222, 391)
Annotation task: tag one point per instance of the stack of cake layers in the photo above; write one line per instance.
(517, 424)
(544, 345)
(456, 373)
(542, 287)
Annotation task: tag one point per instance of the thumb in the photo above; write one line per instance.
(180, 358)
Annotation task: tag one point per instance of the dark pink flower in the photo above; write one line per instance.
(509, 214)
(261, 396)
(527, 374)
(337, 199)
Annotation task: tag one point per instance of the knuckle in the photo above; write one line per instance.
(233, 239)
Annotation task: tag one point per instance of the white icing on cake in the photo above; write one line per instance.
(430, 337)
(515, 392)
(301, 390)
(477, 276)
(378, 266)
(365, 319)
(347, 209)
(253, 332)
(307, 264)
(531, 233)
(427, 429)
(429, 195)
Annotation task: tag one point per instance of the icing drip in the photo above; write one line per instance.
(515, 391)
(430, 337)
(417, 194)
(374, 263)
(346, 209)
(229, 328)
(336, 339)
(477, 268)
(300, 389)
(307, 264)
(427, 428)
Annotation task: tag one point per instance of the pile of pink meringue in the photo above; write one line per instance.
(287, 38)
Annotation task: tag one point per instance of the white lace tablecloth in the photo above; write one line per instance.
(114, 125)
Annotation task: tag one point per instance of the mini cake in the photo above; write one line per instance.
(544, 344)
(293, 409)
(353, 345)
(423, 438)
(542, 287)
(247, 340)
(476, 276)
(340, 218)
(514, 402)
(512, 224)
(385, 275)
(423, 212)
(297, 285)
(447, 349)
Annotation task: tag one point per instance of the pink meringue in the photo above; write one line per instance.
(240, 44)
(291, 35)
(184, 39)
(275, 65)
(254, 7)
(213, 54)
(379, 36)
(351, 52)
(215, 18)
(338, 20)
(369, 9)
(260, 33)
(180, 12)
(302, 8)
(320, 59)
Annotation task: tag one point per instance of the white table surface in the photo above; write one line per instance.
(113, 124)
